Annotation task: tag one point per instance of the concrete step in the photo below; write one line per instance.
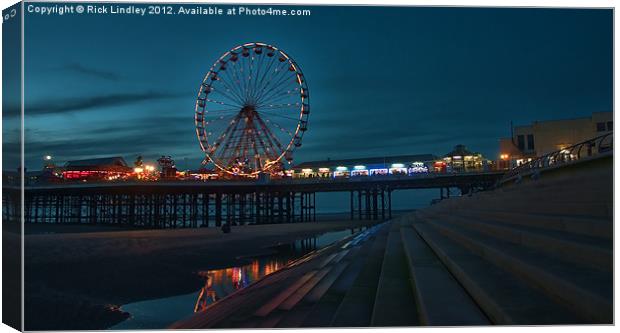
(585, 250)
(296, 316)
(282, 296)
(300, 293)
(440, 299)
(570, 191)
(321, 288)
(584, 173)
(356, 307)
(589, 181)
(325, 308)
(580, 209)
(394, 299)
(585, 290)
(594, 227)
(482, 198)
(505, 299)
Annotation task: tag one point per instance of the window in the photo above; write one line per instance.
(600, 127)
(530, 142)
(610, 125)
(520, 142)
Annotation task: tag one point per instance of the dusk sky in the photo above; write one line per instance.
(383, 81)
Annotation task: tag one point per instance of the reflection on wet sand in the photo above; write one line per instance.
(219, 283)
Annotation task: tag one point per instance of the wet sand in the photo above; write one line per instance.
(77, 279)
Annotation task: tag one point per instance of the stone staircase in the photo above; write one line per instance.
(534, 253)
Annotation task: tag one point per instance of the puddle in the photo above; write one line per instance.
(162, 312)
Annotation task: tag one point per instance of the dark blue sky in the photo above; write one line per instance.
(382, 81)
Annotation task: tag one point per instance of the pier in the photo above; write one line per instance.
(191, 204)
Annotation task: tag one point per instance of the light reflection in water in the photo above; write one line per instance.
(160, 313)
(219, 283)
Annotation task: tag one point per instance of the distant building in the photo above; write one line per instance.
(372, 166)
(107, 168)
(460, 159)
(543, 137)
(46, 175)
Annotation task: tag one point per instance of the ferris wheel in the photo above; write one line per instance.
(252, 110)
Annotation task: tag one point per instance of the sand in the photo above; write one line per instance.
(77, 280)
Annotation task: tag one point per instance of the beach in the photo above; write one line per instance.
(76, 277)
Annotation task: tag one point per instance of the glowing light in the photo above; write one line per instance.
(324, 170)
(398, 165)
(306, 170)
(138, 170)
(47, 157)
(149, 167)
(359, 167)
(378, 172)
(342, 168)
(504, 156)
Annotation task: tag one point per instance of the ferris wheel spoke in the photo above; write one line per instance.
(226, 95)
(230, 89)
(277, 74)
(222, 103)
(246, 79)
(249, 81)
(238, 72)
(261, 144)
(276, 88)
(231, 85)
(279, 115)
(280, 127)
(226, 133)
(270, 135)
(223, 110)
(278, 98)
(259, 63)
(232, 147)
(280, 106)
(262, 80)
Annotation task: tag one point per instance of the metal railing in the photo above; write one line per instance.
(598, 145)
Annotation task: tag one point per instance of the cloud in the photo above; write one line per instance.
(151, 137)
(88, 71)
(67, 105)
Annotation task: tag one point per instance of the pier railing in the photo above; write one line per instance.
(599, 145)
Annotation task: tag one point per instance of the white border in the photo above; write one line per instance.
(474, 3)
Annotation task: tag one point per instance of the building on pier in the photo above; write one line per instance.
(461, 159)
(371, 166)
(108, 168)
(543, 137)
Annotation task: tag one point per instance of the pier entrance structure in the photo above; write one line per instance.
(193, 204)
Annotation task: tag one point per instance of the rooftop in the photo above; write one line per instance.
(386, 160)
(115, 163)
